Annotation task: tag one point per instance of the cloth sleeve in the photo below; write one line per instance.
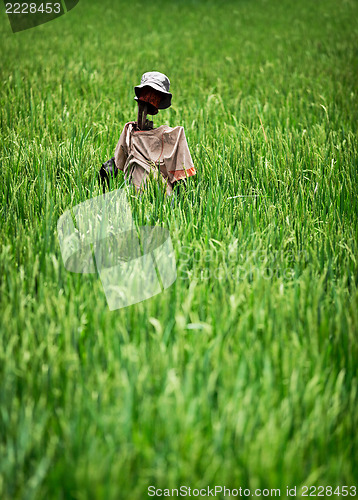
(121, 152)
(177, 158)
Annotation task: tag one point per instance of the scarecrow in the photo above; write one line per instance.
(143, 150)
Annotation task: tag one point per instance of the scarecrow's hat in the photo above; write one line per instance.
(156, 81)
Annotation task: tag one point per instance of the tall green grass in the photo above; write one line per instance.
(244, 372)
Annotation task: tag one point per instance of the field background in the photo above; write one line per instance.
(244, 372)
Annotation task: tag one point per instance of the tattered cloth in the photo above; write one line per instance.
(140, 152)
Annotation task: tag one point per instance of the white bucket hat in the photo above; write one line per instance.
(157, 81)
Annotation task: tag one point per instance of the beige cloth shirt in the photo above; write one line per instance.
(140, 152)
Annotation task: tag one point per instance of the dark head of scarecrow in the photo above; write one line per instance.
(152, 94)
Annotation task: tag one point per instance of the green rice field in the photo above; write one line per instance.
(243, 373)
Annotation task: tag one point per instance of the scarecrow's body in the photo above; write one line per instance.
(163, 149)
